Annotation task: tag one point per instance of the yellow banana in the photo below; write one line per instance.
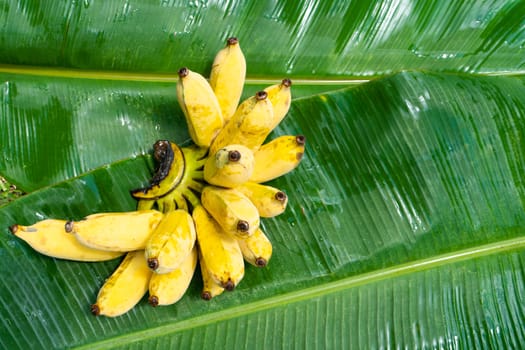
(169, 173)
(171, 242)
(256, 249)
(268, 200)
(49, 237)
(281, 97)
(168, 288)
(234, 212)
(249, 126)
(125, 287)
(227, 77)
(230, 166)
(123, 232)
(220, 251)
(210, 288)
(200, 107)
(278, 157)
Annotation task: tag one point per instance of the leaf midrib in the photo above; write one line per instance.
(172, 78)
(314, 292)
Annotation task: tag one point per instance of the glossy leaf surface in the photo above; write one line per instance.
(404, 228)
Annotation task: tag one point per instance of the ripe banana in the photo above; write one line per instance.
(234, 212)
(227, 77)
(125, 287)
(50, 238)
(281, 97)
(210, 288)
(249, 126)
(200, 107)
(256, 249)
(220, 251)
(122, 232)
(168, 288)
(268, 200)
(169, 173)
(230, 166)
(171, 242)
(278, 157)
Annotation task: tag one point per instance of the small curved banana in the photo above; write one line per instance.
(220, 251)
(210, 288)
(168, 288)
(123, 232)
(125, 287)
(169, 173)
(230, 166)
(278, 157)
(234, 212)
(256, 249)
(227, 77)
(171, 242)
(249, 126)
(281, 97)
(50, 238)
(269, 201)
(200, 107)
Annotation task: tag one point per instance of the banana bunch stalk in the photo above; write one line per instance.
(204, 203)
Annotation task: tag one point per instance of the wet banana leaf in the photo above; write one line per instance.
(406, 221)
(300, 38)
(405, 228)
(54, 128)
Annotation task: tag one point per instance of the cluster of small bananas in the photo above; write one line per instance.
(204, 202)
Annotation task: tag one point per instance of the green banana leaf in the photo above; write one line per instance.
(406, 221)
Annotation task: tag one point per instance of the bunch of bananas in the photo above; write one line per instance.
(203, 204)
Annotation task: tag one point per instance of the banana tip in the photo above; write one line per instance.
(229, 285)
(183, 72)
(95, 309)
(300, 139)
(234, 156)
(69, 226)
(13, 228)
(280, 196)
(243, 226)
(261, 262)
(153, 263)
(261, 95)
(153, 300)
(286, 82)
(206, 295)
(232, 41)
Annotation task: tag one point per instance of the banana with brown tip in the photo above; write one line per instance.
(220, 251)
(234, 212)
(210, 288)
(281, 97)
(200, 107)
(249, 126)
(278, 157)
(227, 77)
(230, 166)
(168, 288)
(256, 249)
(122, 231)
(125, 287)
(268, 200)
(171, 242)
(49, 237)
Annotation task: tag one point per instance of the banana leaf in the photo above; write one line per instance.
(405, 226)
